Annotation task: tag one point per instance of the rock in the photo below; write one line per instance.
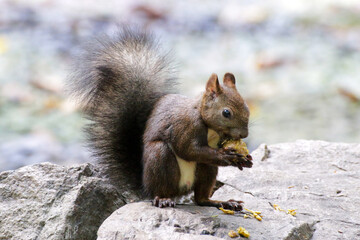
(318, 179)
(143, 221)
(47, 201)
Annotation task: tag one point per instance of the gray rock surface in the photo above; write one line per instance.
(319, 179)
(48, 201)
(143, 221)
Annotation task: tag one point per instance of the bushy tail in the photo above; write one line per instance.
(117, 82)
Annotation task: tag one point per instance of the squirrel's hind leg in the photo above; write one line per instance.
(161, 173)
(204, 185)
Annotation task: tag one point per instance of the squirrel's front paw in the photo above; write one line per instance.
(228, 158)
(238, 160)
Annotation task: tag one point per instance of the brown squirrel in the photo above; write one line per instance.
(155, 138)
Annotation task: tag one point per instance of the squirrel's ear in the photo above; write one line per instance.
(213, 85)
(229, 80)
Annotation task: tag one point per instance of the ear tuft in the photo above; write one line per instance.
(213, 85)
(229, 80)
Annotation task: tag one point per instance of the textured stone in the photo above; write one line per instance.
(318, 179)
(143, 221)
(47, 201)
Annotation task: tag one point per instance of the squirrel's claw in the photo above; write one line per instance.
(232, 205)
(240, 160)
(248, 162)
(163, 202)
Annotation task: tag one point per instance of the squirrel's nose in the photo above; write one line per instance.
(237, 133)
(244, 134)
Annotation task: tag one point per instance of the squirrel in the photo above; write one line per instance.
(141, 127)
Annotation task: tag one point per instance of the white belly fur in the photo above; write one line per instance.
(187, 172)
(187, 168)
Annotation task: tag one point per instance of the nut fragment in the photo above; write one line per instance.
(233, 234)
(238, 145)
(231, 212)
(243, 232)
(258, 217)
(255, 214)
(276, 207)
(292, 212)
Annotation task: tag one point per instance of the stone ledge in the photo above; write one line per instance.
(319, 179)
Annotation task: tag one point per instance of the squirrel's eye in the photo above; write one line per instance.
(226, 113)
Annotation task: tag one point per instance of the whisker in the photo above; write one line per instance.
(255, 121)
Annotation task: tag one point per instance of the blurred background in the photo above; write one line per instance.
(296, 64)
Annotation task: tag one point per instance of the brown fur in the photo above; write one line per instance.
(118, 80)
(179, 125)
(144, 134)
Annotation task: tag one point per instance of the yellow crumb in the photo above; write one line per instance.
(233, 234)
(258, 217)
(243, 232)
(231, 212)
(291, 212)
(255, 214)
(276, 207)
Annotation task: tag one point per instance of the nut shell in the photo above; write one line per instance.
(238, 145)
